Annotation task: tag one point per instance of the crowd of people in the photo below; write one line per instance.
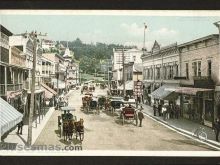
(167, 110)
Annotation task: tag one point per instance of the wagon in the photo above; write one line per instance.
(91, 88)
(102, 86)
(86, 101)
(129, 113)
(116, 103)
(63, 118)
(93, 105)
(101, 101)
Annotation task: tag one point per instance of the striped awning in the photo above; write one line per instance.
(9, 116)
(49, 93)
(165, 93)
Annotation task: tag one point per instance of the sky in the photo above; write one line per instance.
(118, 29)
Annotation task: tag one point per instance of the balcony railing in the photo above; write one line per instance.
(14, 87)
(10, 87)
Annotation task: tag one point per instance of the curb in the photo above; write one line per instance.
(211, 142)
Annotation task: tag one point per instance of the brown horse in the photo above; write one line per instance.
(79, 129)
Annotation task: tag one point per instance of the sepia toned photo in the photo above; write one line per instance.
(100, 82)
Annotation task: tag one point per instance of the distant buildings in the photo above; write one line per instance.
(130, 55)
(52, 70)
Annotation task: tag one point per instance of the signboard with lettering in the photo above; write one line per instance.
(138, 88)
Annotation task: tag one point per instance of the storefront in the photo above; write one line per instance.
(197, 104)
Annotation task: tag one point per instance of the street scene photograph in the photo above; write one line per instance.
(102, 81)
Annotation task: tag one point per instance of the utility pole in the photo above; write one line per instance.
(57, 78)
(123, 66)
(33, 37)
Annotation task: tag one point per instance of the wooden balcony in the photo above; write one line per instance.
(10, 87)
(16, 58)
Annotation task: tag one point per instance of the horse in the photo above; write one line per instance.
(70, 129)
(79, 129)
(65, 129)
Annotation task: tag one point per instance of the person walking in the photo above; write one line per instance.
(164, 112)
(216, 127)
(140, 116)
(21, 123)
(154, 109)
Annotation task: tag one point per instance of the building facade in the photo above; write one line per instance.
(130, 55)
(160, 67)
(200, 63)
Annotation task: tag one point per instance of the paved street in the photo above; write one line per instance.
(105, 132)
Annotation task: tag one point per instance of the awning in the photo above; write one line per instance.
(191, 91)
(165, 93)
(129, 85)
(9, 116)
(49, 93)
(61, 84)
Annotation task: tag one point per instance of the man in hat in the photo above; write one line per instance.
(140, 115)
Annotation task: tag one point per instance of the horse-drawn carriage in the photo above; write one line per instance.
(101, 101)
(68, 124)
(91, 88)
(89, 103)
(116, 103)
(102, 86)
(128, 112)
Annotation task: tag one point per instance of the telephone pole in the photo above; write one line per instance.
(33, 36)
(123, 67)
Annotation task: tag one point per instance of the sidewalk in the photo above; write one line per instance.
(182, 125)
(13, 139)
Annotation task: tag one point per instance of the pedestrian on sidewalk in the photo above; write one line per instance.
(154, 109)
(140, 116)
(164, 112)
(216, 128)
(21, 123)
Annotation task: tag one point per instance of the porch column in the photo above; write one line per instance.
(5, 80)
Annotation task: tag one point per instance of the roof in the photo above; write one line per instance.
(5, 31)
(9, 117)
(199, 40)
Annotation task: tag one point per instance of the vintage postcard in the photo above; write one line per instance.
(80, 82)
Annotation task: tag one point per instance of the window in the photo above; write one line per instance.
(164, 72)
(199, 68)
(187, 70)
(209, 68)
(194, 66)
(177, 70)
(170, 76)
(148, 73)
(158, 73)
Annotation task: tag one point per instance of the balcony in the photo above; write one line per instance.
(10, 87)
(14, 87)
(16, 58)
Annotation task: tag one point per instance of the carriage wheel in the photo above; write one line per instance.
(123, 119)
